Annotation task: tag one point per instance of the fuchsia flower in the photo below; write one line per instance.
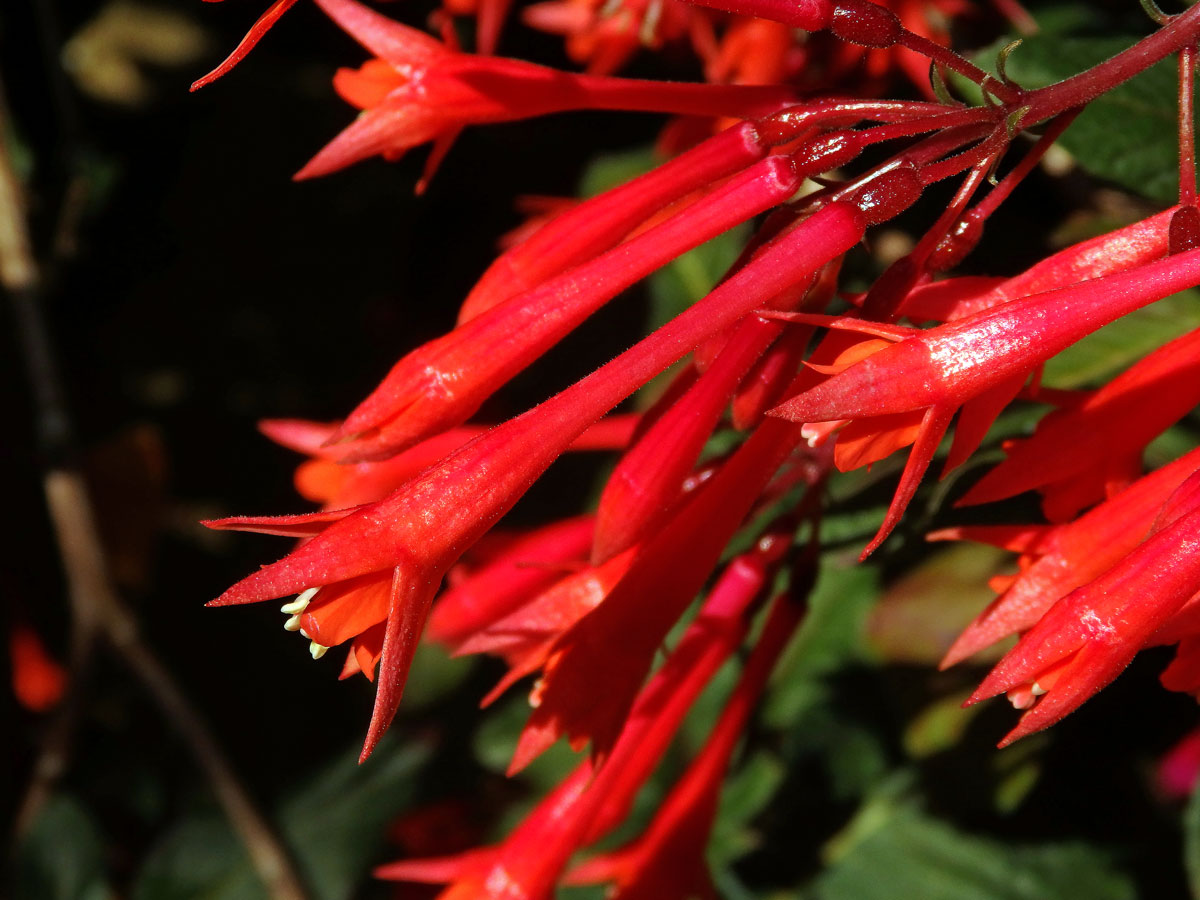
(668, 860)
(1057, 559)
(592, 801)
(1085, 639)
(977, 364)
(419, 90)
(409, 540)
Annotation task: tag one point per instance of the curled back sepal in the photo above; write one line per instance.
(1088, 637)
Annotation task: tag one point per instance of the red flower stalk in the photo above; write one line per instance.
(1086, 639)
(418, 532)
(1117, 251)
(1080, 454)
(419, 90)
(445, 381)
(984, 358)
(1058, 559)
(667, 861)
(246, 44)
(591, 802)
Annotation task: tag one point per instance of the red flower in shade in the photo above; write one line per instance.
(596, 668)
(605, 35)
(1086, 639)
(38, 680)
(978, 363)
(419, 90)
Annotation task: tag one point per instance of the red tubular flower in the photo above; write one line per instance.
(599, 223)
(1058, 559)
(646, 484)
(1086, 639)
(445, 381)
(984, 358)
(596, 668)
(531, 564)
(667, 862)
(419, 90)
(418, 532)
(1078, 455)
(337, 486)
(591, 802)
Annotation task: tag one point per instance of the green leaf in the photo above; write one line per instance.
(61, 857)
(1127, 135)
(1191, 841)
(902, 852)
(606, 172)
(689, 277)
(744, 795)
(921, 614)
(333, 827)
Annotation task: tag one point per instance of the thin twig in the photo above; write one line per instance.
(97, 612)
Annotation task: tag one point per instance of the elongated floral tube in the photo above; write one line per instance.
(588, 804)
(587, 689)
(435, 92)
(650, 866)
(946, 366)
(338, 486)
(1089, 636)
(428, 523)
(445, 381)
(646, 482)
(597, 224)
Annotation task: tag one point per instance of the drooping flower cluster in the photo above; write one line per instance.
(410, 537)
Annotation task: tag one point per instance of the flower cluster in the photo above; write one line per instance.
(806, 378)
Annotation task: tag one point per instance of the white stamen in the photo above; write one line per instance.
(317, 650)
(300, 603)
(1037, 690)
(304, 634)
(292, 624)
